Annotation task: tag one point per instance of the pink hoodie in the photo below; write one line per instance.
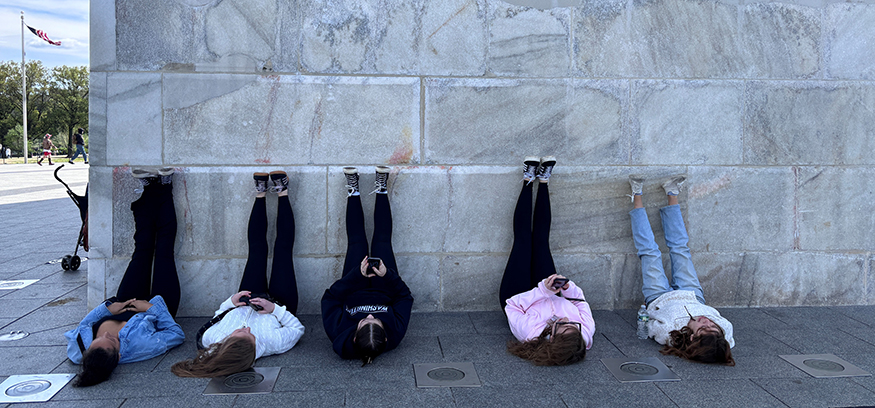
(529, 312)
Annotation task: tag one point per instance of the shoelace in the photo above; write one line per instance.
(546, 173)
(529, 173)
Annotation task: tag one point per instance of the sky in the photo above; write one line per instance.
(62, 20)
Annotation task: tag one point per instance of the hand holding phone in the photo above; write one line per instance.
(245, 299)
(374, 262)
(558, 283)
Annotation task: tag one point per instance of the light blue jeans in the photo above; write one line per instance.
(683, 274)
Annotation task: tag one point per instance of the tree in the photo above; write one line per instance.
(38, 101)
(68, 91)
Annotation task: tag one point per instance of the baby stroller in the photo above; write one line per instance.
(72, 262)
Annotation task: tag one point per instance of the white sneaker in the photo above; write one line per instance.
(637, 184)
(673, 185)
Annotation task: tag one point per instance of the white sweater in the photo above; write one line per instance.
(668, 313)
(275, 332)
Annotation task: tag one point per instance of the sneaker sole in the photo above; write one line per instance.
(350, 170)
(140, 174)
(383, 169)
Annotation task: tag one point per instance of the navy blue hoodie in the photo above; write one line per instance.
(354, 296)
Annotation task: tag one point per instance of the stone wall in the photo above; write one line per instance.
(768, 107)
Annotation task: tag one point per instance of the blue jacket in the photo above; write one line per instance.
(148, 334)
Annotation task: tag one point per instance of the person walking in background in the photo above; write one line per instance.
(259, 319)
(366, 311)
(679, 318)
(80, 146)
(47, 147)
(127, 328)
(547, 313)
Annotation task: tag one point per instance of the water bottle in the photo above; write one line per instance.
(643, 318)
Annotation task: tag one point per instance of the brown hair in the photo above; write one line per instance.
(97, 365)
(565, 348)
(228, 357)
(707, 348)
(369, 342)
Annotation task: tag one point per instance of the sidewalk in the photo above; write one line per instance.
(39, 223)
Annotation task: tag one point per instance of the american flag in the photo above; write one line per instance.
(42, 34)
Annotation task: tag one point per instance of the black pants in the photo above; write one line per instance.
(530, 260)
(283, 286)
(154, 237)
(357, 241)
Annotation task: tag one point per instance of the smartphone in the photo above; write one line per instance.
(559, 282)
(374, 263)
(245, 299)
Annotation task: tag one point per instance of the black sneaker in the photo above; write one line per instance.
(145, 177)
(530, 167)
(260, 182)
(280, 181)
(381, 183)
(546, 168)
(165, 174)
(352, 181)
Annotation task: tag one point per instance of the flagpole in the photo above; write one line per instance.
(23, 95)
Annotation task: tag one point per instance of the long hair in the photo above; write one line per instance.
(707, 348)
(228, 357)
(97, 365)
(564, 348)
(369, 342)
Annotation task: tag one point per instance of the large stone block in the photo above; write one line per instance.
(816, 279)
(835, 207)
(480, 210)
(870, 288)
(97, 118)
(454, 38)
(524, 117)
(592, 273)
(291, 120)
(809, 123)
(422, 274)
(693, 122)
(626, 281)
(470, 283)
(525, 41)
(227, 36)
(782, 40)
(418, 196)
(590, 208)
(602, 43)
(849, 35)
(158, 34)
(101, 205)
(686, 39)
(358, 36)
(101, 38)
(133, 118)
(727, 215)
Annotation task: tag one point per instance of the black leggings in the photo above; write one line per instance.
(283, 286)
(530, 260)
(154, 236)
(357, 241)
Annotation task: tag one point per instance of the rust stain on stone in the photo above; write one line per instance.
(701, 190)
(448, 20)
(404, 152)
